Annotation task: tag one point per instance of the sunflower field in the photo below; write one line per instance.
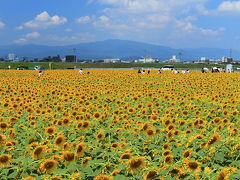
(117, 125)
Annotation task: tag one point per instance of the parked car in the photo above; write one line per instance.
(168, 67)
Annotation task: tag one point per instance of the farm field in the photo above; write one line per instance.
(119, 125)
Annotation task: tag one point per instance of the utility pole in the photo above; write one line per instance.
(74, 53)
(180, 55)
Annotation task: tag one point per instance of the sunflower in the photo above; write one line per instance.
(68, 156)
(150, 175)
(168, 159)
(166, 145)
(50, 131)
(207, 170)
(38, 152)
(146, 126)
(97, 115)
(28, 178)
(12, 120)
(48, 166)
(167, 152)
(192, 165)
(187, 153)
(56, 178)
(3, 126)
(215, 138)
(59, 123)
(2, 140)
(5, 160)
(150, 132)
(66, 121)
(80, 125)
(223, 174)
(125, 156)
(75, 176)
(115, 145)
(175, 171)
(136, 164)
(185, 112)
(85, 161)
(80, 149)
(131, 110)
(60, 140)
(11, 143)
(102, 177)
(235, 112)
(217, 120)
(32, 123)
(85, 125)
(100, 136)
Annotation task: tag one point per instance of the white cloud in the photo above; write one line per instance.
(33, 35)
(44, 20)
(141, 6)
(80, 37)
(163, 18)
(83, 19)
(104, 22)
(19, 27)
(229, 6)
(20, 41)
(44, 16)
(2, 25)
(188, 27)
(68, 29)
(103, 19)
(26, 37)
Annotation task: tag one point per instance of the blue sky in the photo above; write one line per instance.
(174, 23)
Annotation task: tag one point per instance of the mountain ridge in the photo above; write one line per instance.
(113, 48)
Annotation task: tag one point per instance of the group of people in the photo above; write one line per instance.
(214, 70)
(174, 71)
(40, 72)
(183, 71)
(143, 71)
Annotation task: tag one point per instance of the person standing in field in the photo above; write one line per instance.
(39, 73)
(81, 71)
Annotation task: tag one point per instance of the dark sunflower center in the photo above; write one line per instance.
(38, 151)
(136, 164)
(49, 165)
(4, 159)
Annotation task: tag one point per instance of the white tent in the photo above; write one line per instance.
(229, 68)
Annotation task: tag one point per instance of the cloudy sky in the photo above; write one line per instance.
(174, 23)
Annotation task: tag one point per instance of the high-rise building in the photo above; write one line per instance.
(11, 57)
(227, 60)
(70, 58)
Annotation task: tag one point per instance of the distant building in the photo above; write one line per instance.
(70, 58)
(147, 59)
(174, 59)
(11, 57)
(56, 59)
(204, 60)
(114, 60)
(227, 60)
(25, 59)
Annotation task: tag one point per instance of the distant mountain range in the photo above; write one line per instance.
(115, 49)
